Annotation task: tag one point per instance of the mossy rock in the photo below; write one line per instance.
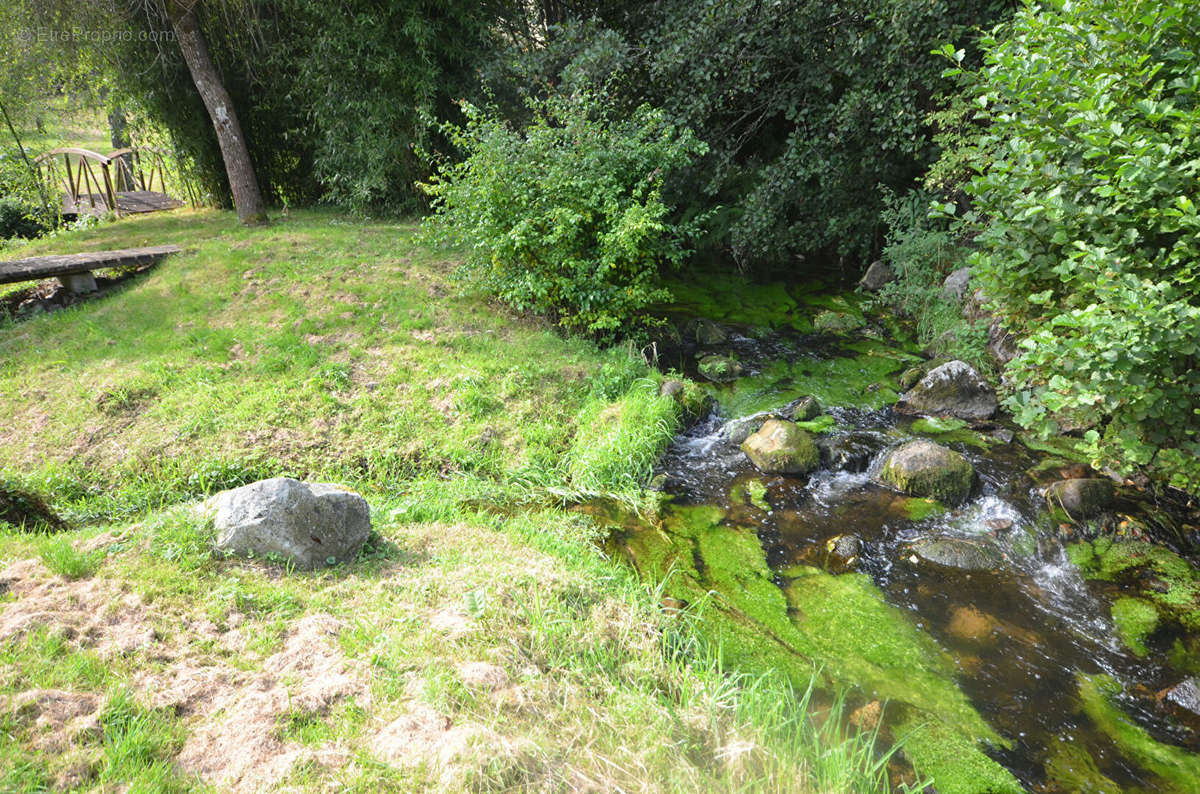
(953, 389)
(923, 468)
(804, 409)
(1177, 769)
(720, 369)
(1081, 498)
(1135, 620)
(835, 322)
(780, 447)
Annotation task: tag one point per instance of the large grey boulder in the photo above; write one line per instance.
(953, 389)
(306, 524)
(877, 275)
(923, 468)
(956, 284)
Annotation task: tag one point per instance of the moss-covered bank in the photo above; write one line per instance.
(807, 619)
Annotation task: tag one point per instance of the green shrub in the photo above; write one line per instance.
(1088, 230)
(565, 217)
(921, 251)
(18, 220)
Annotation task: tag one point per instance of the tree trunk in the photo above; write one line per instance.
(247, 198)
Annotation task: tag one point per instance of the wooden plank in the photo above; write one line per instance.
(38, 267)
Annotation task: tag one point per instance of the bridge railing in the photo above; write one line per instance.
(95, 179)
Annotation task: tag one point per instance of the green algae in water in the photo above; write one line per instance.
(1073, 769)
(1135, 620)
(951, 760)
(1178, 768)
(822, 424)
(860, 379)
(841, 624)
(758, 494)
(918, 508)
(1126, 560)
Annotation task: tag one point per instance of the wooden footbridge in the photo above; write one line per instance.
(121, 182)
(75, 270)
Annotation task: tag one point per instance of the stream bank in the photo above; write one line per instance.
(1017, 644)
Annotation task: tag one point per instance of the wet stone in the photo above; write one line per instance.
(953, 389)
(802, 410)
(779, 447)
(1080, 498)
(923, 468)
(969, 555)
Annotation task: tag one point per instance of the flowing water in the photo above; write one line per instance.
(1021, 631)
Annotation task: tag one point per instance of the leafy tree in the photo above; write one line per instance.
(1087, 223)
(807, 107)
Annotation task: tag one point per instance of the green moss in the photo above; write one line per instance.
(758, 494)
(1184, 654)
(950, 760)
(857, 379)
(1061, 447)
(1177, 584)
(819, 425)
(1135, 620)
(836, 322)
(919, 509)
(951, 431)
(1178, 768)
(720, 369)
(1073, 769)
(840, 623)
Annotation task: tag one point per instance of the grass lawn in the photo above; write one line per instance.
(482, 642)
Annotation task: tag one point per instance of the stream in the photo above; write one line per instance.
(1023, 630)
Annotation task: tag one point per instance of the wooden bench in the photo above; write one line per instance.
(75, 270)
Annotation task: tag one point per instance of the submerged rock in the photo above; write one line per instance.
(837, 322)
(969, 624)
(720, 369)
(1079, 498)
(842, 553)
(306, 524)
(970, 555)
(953, 389)
(923, 468)
(779, 447)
